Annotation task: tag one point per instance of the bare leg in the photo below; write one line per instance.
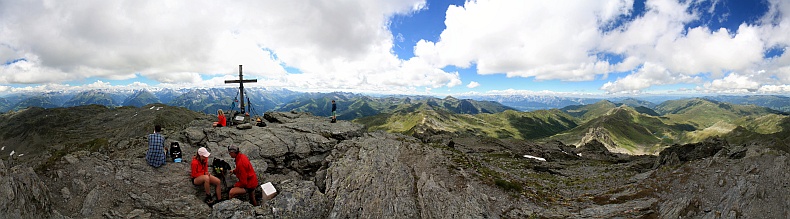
(236, 191)
(205, 182)
(217, 185)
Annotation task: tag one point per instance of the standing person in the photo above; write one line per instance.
(221, 121)
(248, 181)
(155, 156)
(334, 108)
(201, 177)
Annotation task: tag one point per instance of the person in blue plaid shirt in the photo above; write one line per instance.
(156, 148)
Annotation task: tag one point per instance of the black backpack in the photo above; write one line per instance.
(175, 150)
(220, 168)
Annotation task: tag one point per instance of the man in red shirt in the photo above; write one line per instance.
(248, 181)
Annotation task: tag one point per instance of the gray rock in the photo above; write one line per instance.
(65, 193)
(90, 202)
(299, 199)
(370, 182)
(234, 208)
(23, 194)
(138, 214)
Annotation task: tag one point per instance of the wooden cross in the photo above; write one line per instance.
(241, 87)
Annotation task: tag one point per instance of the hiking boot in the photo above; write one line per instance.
(209, 199)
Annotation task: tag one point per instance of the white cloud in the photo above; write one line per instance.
(523, 38)
(527, 39)
(346, 45)
(648, 75)
(778, 89)
(335, 45)
(733, 83)
(473, 84)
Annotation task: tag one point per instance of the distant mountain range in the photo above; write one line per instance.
(631, 126)
(628, 125)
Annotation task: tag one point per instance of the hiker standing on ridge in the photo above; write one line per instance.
(155, 156)
(221, 121)
(200, 175)
(334, 108)
(248, 181)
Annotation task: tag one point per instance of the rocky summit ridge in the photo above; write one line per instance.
(338, 170)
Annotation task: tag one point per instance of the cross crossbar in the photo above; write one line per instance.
(241, 82)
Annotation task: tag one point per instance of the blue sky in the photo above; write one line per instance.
(606, 47)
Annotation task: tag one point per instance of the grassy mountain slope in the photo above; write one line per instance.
(623, 129)
(91, 97)
(5, 105)
(428, 116)
(635, 103)
(591, 111)
(141, 98)
(781, 103)
(30, 130)
(703, 113)
(353, 106)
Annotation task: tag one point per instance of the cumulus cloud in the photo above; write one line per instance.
(648, 75)
(733, 83)
(339, 45)
(473, 84)
(557, 40)
(545, 40)
(347, 46)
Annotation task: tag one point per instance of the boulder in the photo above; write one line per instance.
(595, 150)
(369, 181)
(299, 199)
(23, 194)
(233, 208)
(676, 154)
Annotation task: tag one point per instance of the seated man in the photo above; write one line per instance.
(155, 156)
(248, 181)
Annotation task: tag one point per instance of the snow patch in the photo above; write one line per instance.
(534, 157)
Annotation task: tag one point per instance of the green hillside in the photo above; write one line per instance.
(703, 113)
(591, 111)
(351, 107)
(411, 119)
(91, 97)
(623, 129)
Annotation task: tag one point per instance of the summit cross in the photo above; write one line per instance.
(241, 87)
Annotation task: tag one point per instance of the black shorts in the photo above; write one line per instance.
(219, 125)
(249, 191)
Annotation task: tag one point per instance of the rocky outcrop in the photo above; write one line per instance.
(601, 135)
(595, 150)
(754, 186)
(677, 154)
(23, 194)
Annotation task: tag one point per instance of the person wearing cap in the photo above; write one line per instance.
(248, 181)
(200, 175)
(155, 156)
